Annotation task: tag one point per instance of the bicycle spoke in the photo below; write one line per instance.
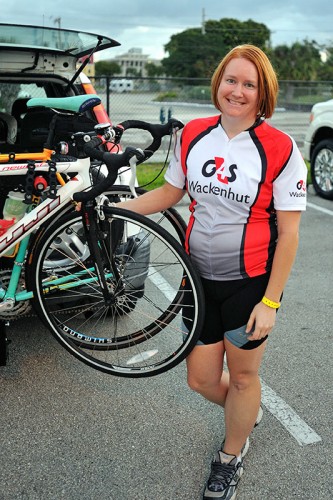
(139, 330)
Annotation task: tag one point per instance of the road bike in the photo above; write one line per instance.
(115, 288)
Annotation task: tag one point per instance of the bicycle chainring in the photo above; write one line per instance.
(20, 309)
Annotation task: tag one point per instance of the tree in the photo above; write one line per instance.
(301, 61)
(107, 68)
(154, 70)
(298, 63)
(326, 69)
(8, 93)
(133, 72)
(194, 54)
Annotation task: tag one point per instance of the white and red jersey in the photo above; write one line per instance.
(235, 186)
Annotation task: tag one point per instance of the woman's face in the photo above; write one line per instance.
(238, 91)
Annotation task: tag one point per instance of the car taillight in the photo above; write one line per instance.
(311, 117)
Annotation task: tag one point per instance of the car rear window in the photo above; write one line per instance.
(11, 92)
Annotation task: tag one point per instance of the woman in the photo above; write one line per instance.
(246, 181)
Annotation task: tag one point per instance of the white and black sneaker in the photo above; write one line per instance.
(223, 480)
(244, 450)
(259, 416)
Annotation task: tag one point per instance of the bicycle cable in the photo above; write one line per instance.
(163, 167)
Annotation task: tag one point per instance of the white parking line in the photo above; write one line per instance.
(321, 209)
(288, 417)
(168, 291)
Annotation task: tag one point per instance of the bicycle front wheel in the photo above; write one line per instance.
(156, 312)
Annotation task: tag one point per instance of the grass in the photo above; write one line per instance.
(152, 173)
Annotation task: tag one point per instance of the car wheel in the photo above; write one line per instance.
(322, 169)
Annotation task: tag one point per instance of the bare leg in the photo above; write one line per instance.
(239, 391)
(243, 397)
(205, 373)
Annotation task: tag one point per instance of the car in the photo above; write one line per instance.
(42, 62)
(38, 61)
(318, 148)
(121, 85)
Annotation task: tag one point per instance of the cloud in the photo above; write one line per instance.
(149, 24)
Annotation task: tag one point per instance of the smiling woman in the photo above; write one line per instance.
(238, 96)
(255, 74)
(246, 182)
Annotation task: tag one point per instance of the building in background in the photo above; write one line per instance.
(133, 62)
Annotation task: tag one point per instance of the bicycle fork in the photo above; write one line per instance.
(95, 238)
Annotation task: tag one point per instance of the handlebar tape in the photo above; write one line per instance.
(156, 130)
(114, 161)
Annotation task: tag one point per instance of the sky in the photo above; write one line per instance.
(149, 24)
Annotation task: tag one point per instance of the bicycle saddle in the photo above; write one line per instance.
(74, 104)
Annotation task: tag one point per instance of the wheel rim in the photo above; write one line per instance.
(142, 341)
(323, 170)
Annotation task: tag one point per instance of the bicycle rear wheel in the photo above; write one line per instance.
(142, 332)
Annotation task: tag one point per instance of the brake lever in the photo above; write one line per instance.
(132, 163)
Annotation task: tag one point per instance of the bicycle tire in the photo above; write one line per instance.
(170, 218)
(147, 340)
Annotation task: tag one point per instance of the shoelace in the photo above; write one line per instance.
(222, 474)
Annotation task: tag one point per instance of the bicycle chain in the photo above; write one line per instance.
(22, 309)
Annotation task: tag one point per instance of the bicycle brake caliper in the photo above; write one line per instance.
(101, 199)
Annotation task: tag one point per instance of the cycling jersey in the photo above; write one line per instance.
(235, 186)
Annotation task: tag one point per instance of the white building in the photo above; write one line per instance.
(133, 63)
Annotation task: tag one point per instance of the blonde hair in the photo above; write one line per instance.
(268, 86)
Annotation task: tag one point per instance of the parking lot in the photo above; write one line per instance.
(147, 106)
(69, 432)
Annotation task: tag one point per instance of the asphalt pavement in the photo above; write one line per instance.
(70, 432)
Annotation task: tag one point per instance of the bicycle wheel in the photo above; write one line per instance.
(157, 292)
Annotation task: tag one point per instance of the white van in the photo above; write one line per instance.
(121, 85)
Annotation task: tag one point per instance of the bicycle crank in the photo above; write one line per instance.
(18, 309)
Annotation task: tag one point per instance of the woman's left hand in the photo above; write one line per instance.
(261, 321)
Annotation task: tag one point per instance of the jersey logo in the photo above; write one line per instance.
(301, 190)
(219, 169)
(301, 185)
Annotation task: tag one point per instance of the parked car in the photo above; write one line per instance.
(46, 62)
(40, 61)
(121, 85)
(318, 148)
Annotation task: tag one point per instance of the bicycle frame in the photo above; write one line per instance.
(41, 213)
(20, 232)
(87, 271)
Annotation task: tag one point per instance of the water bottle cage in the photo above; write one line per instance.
(52, 179)
(29, 183)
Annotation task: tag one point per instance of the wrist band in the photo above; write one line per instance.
(270, 303)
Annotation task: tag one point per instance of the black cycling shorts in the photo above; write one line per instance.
(228, 305)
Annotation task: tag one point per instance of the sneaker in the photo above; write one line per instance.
(223, 479)
(246, 446)
(244, 450)
(259, 416)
